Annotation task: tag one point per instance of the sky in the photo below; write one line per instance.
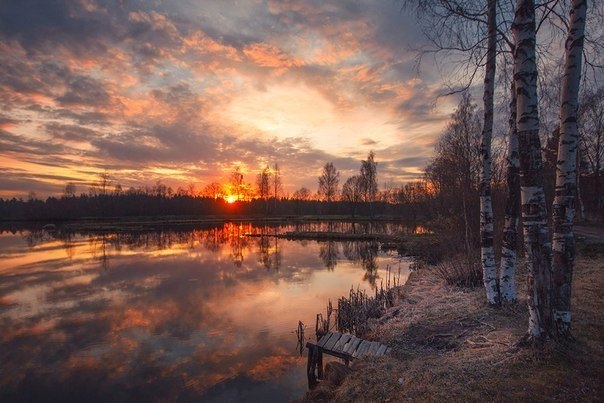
(186, 91)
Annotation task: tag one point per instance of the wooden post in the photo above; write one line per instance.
(319, 362)
(310, 365)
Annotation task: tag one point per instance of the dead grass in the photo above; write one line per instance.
(460, 271)
(448, 345)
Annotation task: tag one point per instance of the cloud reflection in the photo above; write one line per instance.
(159, 315)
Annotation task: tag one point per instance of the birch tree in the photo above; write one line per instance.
(507, 269)
(487, 250)
(566, 172)
(459, 26)
(534, 213)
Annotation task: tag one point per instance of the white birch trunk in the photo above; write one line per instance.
(487, 251)
(507, 272)
(566, 171)
(534, 213)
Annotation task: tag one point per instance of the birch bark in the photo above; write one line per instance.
(534, 213)
(487, 251)
(566, 172)
(507, 271)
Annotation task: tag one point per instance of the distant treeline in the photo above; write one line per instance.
(144, 205)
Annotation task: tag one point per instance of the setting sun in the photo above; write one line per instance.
(230, 198)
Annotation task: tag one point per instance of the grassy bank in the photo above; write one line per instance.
(448, 345)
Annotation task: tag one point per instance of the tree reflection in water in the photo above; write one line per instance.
(268, 246)
(237, 237)
(329, 253)
(176, 313)
(366, 253)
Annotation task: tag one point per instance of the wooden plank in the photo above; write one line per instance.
(332, 341)
(361, 349)
(339, 347)
(382, 349)
(352, 345)
(348, 345)
(373, 348)
(367, 348)
(325, 339)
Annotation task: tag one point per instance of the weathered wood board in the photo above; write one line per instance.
(341, 345)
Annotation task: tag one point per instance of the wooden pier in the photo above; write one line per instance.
(341, 345)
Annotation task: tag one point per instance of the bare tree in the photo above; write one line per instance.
(70, 190)
(509, 245)
(277, 187)
(104, 182)
(191, 189)
(213, 190)
(302, 194)
(368, 180)
(101, 187)
(352, 191)
(566, 172)
(237, 183)
(329, 182)
(454, 171)
(455, 29)
(263, 183)
(534, 213)
(486, 205)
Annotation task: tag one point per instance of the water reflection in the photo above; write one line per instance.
(203, 314)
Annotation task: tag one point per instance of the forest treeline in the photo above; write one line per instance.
(438, 198)
(146, 205)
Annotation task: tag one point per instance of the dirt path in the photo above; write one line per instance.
(591, 234)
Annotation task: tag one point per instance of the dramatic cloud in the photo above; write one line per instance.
(184, 92)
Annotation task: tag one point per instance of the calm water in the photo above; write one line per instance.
(203, 315)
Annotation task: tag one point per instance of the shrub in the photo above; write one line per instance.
(460, 271)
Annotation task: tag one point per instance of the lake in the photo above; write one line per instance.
(205, 314)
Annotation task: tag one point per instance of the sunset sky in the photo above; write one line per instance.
(185, 91)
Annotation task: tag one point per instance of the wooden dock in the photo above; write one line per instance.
(341, 345)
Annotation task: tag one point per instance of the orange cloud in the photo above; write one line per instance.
(266, 55)
(199, 42)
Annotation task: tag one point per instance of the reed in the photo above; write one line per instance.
(355, 310)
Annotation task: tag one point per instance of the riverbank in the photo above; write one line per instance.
(448, 345)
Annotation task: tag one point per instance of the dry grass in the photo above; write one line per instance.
(448, 345)
(460, 271)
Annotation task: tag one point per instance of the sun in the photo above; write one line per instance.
(230, 198)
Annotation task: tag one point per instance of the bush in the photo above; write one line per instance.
(460, 271)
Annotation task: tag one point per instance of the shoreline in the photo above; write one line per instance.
(448, 344)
